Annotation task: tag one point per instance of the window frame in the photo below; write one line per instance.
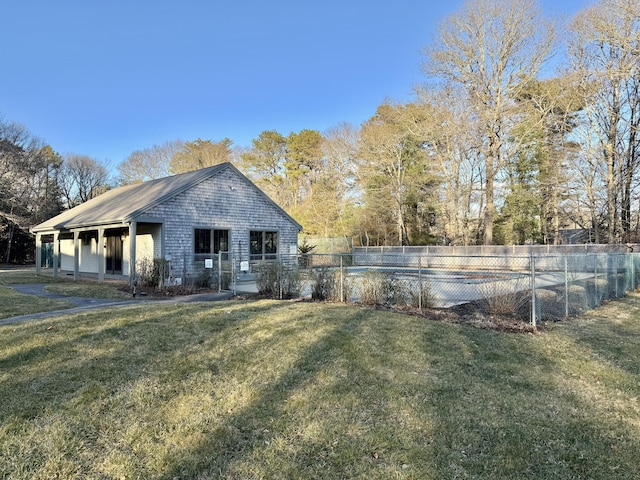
(263, 244)
(216, 238)
(204, 247)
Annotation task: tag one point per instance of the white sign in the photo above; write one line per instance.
(244, 266)
(208, 263)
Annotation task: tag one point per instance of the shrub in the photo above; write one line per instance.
(505, 297)
(324, 284)
(397, 290)
(378, 288)
(321, 284)
(423, 297)
(277, 280)
(203, 279)
(329, 284)
(152, 272)
(225, 281)
(372, 288)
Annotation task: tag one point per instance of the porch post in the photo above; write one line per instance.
(76, 255)
(133, 227)
(101, 248)
(38, 253)
(56, 253)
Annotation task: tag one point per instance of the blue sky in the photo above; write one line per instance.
(106, 78)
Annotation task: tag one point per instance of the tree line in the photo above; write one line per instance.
(494, 147)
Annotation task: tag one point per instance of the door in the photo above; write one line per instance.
(114, 255)
(46, 259)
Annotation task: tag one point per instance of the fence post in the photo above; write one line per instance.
(615, 271)
(532, 268)
(280, 274)
(595, 280)
(220, 270)
(566, 287)
(232, 262)
(341, 281)
(420, 284)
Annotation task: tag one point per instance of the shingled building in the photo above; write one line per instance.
(183, 219)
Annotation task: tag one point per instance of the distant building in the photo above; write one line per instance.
(574, 236)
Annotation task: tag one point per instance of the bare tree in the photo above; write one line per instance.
(453, 149)
(149, 163)
(339, 173)
(28, 190)
(328, 176)
(604, 50)
(490, 48)
(81, 179)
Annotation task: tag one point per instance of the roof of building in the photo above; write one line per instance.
(124, 204)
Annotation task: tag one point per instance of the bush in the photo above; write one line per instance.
(322, 284)
(225, 281)
(276, 280)
(372, 288)
(378, 288)
(152, 272)
(423, 297)
(329, 284)
(203, 279)
(397, 290)
(505, 297)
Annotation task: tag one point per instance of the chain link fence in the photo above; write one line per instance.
(532, 288)
(564, 285)
(214, 271)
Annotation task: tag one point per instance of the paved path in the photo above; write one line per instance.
(84, 303)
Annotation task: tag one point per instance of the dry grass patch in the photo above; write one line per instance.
(13, 304)
(25, 275)
(242, 390)
(89, 289)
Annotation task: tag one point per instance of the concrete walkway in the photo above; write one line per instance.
(83, 304)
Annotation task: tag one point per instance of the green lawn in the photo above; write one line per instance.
(282, 390)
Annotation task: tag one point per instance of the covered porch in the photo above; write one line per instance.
(107, 251)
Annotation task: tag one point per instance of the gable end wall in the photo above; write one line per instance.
(225, 201)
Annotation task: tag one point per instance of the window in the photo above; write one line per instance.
(263, 245)
(207, 241)
(87, 237)
(202, 241)
(220, 241)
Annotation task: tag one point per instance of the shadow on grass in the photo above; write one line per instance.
(248, 430)
(526, 406)
(355, 393)
(612, 334)
(49, 373)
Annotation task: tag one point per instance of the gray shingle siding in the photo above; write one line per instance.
(225, 201)
(158, 219)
